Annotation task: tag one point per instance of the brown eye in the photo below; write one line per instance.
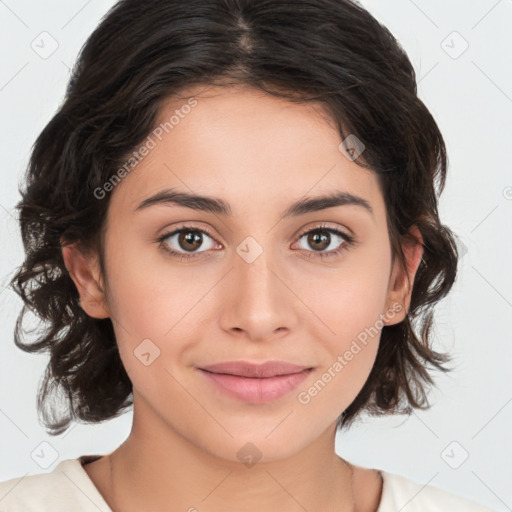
(325, 242)
(318, 240)
(325, 239)
(190, 240)
(187, 240)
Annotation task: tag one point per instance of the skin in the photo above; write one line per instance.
(259, 153)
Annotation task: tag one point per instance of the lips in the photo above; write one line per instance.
(255, 383)
(251, 370)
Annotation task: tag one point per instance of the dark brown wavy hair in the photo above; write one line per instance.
(144, 52)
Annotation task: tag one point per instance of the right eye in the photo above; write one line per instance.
(184, 241)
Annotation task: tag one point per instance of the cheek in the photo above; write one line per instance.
(157, 310)
(348, 308)
(148, 294)
(349, 351)
(349, 300)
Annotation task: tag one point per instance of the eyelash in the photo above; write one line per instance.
(348, 242)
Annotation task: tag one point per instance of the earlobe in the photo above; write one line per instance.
(401, 281)
(84, 271)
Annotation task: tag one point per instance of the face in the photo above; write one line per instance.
(254, 281)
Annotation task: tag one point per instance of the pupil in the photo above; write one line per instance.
(321, 237)
(190, 237)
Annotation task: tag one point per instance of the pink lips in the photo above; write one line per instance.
(256, 383)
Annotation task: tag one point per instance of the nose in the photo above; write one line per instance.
(259, 302)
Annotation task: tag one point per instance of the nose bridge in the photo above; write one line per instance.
(254, 268)
(259, 302)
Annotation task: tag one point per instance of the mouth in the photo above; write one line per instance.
(252, 370)
(255, 383)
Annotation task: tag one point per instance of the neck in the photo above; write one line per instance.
(157, 468)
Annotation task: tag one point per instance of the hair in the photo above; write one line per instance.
(331, 52)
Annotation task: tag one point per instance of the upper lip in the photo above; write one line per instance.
(246, 369)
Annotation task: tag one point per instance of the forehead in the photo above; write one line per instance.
(247, 146)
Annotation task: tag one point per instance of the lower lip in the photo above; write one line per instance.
(256, 391)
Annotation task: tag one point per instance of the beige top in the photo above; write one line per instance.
(68, 488)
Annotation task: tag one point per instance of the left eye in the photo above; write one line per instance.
(324, 239)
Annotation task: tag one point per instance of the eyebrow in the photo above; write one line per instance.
(219, 206)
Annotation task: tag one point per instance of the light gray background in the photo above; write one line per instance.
(470, 96)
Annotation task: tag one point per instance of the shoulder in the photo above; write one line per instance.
(65, 488)
(398, 491)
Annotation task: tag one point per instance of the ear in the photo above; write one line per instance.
(84, 270)
(400, 290)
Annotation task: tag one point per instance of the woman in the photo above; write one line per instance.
(231, 224)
